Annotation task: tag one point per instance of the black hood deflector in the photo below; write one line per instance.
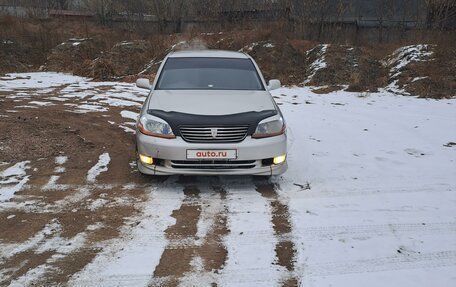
(176, 119)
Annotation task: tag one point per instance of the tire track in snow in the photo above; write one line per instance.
(328, 232)
(16, 260)
(436, 188)
(398, 262)
(251, 258)
(169, 271)
(22, 264)
(11, 249)
(213, 250)
(285, 248)
(211, 253)
(130, 259)
(29, 263)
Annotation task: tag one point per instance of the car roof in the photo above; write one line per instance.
(207, 54)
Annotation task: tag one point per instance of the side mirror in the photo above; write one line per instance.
(143, 84)
(274, 85)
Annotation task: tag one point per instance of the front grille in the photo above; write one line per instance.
(213, 164)
(225, 134)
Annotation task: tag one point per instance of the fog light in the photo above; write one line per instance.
(279, 159)
(146, 159)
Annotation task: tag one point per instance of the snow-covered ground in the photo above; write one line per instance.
(381, 209)
(370, 196)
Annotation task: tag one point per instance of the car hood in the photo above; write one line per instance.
(202, 102)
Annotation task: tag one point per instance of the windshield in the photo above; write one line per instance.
(209, 74)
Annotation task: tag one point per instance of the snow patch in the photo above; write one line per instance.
(400, 59)
(61, 160)
(249, 48)
(61, 246)
(127, 129)
(38, 80)
(13, 179)
(41, 104)
(99, 167)
(181, 43)
(59, 169)
(319, 63)
(95, 226)
(52, 183)
(98, 96)
(419, 79)
(99, 202)
(10, 249)
(131, 259)
(406, 55)
(86, 108)
(129, 115)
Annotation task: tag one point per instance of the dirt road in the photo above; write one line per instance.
(72, 203)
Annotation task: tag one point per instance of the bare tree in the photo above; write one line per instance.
(172, 12)
(103, 8)
(440, 11)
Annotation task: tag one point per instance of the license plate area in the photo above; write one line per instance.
(211, 154)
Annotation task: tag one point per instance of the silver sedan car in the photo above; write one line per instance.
(210, 113)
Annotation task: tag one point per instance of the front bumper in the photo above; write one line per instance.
(170, 151)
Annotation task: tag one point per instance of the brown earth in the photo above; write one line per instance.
(437, 77)
(120, 54)
(354, 67)
(125, 58)
(282, 61)
(40, 134)
(72, 56)
(12, 57)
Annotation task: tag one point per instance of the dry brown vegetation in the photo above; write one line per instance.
(437, 77)
(125, 58)
(103, 53)
(70, 56)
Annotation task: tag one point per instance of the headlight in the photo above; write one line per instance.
(154, 126)
(270, 127)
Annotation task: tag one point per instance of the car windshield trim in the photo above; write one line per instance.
(254, 73)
